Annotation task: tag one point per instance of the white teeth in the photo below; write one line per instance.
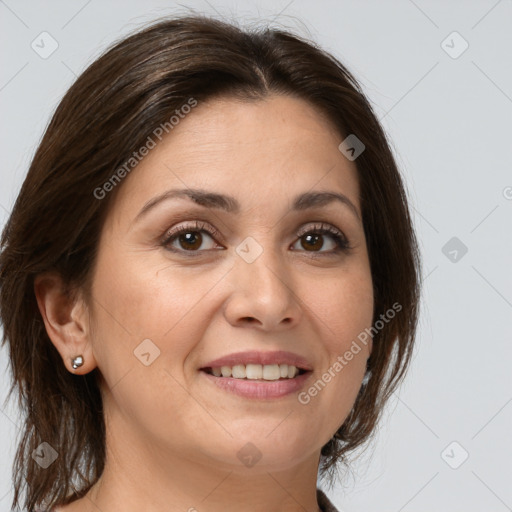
(257, 371)
(292, 371)
(238, 371)
(254, 371)
(271, 372)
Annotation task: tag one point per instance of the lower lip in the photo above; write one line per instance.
(262, 389)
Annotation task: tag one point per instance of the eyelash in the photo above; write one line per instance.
(342, 243)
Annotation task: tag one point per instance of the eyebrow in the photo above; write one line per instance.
(229, 204)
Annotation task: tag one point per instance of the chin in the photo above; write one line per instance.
(261, 453)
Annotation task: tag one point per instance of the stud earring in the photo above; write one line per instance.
(77, 361)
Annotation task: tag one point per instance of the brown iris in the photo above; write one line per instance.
(193, 238)
(314, 239)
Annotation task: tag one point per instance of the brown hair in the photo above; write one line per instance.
(55, 224)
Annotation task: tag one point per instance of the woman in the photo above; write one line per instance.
(209, 280)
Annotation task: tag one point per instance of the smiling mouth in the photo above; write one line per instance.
(258, 372)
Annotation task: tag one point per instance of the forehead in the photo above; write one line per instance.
(258, 151)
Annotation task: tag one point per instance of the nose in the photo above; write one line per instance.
(262, 295)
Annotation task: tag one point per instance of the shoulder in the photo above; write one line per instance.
(324, 502)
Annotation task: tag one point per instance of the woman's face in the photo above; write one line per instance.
(257, 277)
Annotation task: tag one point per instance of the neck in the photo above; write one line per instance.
(185, 485)
(142, 476)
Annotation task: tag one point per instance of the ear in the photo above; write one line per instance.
(66, 321)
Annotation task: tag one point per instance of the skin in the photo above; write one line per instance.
(172, 436)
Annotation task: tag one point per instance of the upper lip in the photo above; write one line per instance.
(263, 358)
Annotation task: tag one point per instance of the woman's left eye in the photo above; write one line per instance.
(191, 239)
(314, 237)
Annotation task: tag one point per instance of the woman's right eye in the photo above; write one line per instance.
(189, 238)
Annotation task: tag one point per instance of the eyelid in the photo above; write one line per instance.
(319, 226)
(196, 225)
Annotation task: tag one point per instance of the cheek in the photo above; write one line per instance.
(146, 297)
(344, 308)
(136, 300)
(146, 324)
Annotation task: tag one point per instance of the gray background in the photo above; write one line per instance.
(449, 116)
